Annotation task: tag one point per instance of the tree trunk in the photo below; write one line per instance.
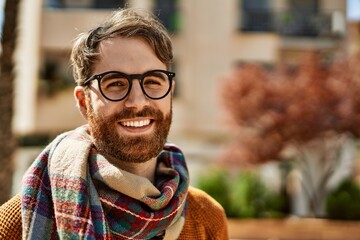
(7, 139)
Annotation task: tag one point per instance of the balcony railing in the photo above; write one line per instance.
(304, 24)
(289, 23)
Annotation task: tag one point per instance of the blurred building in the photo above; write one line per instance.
(353, 16)
(209, 36)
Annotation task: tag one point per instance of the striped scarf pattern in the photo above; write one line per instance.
(71, 191)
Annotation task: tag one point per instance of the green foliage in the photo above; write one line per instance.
(251, 199)
(243, 196)
(216, 185)
(343, 202)
(248, 197)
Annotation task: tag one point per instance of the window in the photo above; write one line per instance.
(256, 15)
(109, 4)
(303, 19)
(167, 12)
(84, 4)
(55, 74)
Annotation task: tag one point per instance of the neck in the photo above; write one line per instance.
(146, 169)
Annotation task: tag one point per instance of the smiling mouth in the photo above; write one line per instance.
(136, 124)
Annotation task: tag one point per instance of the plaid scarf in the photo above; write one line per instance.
(72, 192)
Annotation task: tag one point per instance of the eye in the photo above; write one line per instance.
(113, 82)
(155, 80)
(152, 81)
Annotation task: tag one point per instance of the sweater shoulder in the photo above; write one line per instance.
(201, 200)
(10, 219)
(205, 217)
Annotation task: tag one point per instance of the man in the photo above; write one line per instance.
(117, 177)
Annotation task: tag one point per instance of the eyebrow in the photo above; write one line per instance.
(162, 76)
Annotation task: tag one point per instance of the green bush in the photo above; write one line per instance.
(344, 201)
(251, 199)
(216, 185)
(243, 196)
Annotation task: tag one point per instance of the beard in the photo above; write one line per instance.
(121, 147)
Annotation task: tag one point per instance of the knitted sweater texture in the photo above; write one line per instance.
(205, 218)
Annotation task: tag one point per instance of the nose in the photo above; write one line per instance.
(136, 97)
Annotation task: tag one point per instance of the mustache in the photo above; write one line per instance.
(130, 113)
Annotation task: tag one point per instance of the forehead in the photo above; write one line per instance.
(129, 55)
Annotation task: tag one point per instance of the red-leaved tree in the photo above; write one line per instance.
(309, 113)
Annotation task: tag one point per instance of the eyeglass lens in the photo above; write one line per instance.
(115, 85)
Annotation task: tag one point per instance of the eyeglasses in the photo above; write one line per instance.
(116, 86)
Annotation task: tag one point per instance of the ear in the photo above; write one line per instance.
(172, 87)
(80, 97)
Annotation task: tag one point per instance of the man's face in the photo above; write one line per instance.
(134, 129)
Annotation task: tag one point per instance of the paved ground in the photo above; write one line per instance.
(294, 229)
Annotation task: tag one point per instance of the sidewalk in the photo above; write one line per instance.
(293, 229)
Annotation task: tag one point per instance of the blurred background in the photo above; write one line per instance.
(214, 41)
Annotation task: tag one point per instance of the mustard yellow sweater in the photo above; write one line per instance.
(205, 218)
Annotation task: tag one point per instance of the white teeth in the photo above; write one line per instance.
(136, 123)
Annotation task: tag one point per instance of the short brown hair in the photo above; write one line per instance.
(125, 23)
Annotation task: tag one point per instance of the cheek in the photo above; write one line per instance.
(165, 105)
(98, 107)
(107, 109)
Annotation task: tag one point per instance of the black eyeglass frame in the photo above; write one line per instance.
(130, 78)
